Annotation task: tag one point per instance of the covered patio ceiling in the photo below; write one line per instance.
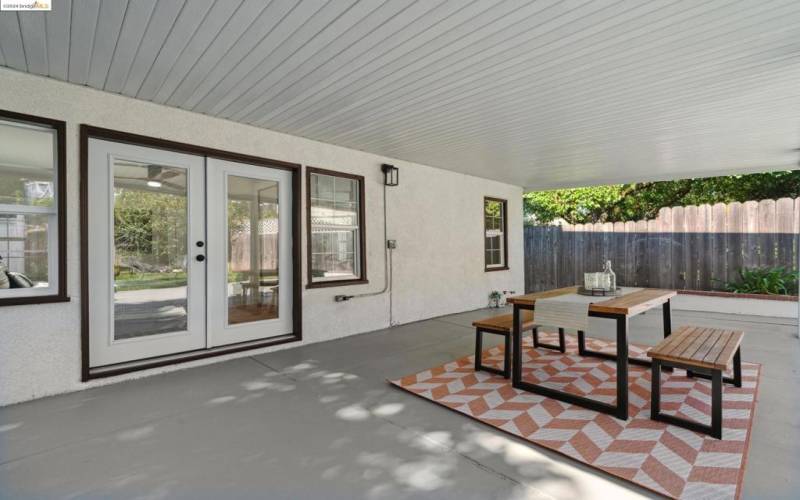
(541, 94)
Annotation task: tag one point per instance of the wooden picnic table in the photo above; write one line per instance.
(618, 309)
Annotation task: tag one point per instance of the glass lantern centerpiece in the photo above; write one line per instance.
(604, 282)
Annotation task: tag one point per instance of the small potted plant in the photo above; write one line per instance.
(494, 298)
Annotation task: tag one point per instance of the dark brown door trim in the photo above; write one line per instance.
(61, 205)
(87, 132)
(180, 147)
(362, 221)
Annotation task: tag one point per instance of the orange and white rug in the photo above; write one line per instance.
(660, 457)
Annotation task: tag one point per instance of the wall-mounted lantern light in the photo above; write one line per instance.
(391, 175)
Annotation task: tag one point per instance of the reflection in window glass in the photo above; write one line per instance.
(253, 236)
(28, 213)
(335, 228)
(150, 249)
(23, 245)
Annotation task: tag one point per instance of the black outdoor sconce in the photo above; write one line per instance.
(391, 175)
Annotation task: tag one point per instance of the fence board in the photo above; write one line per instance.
(702, 251)
(751, 248)
(691, 248)
(618, 245)
(694, 247)
(766, 230)
(579, 238)
(679, 255)
(664, 228)
(734, 228)
(565, 247)
(629, 264)
(718, 251)
(784, 209)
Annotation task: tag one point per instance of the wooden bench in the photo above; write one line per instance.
(703, 352)
(503, 325)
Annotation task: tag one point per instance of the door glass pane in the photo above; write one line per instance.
(252, 249)
(150, 249)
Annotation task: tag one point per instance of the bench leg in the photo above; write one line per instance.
(713, 430)
(655, 390)
(737, 367)
(716, 404)
(581, 343)
(535, 336)
(506, 371)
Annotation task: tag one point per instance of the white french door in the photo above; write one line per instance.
(185, 252)
(146, 285)
(250, 253)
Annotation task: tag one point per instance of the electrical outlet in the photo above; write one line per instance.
(391, 244)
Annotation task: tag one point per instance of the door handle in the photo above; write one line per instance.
(200, 258)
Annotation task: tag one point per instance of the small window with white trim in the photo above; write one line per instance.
(335, 228)
(31, 210)
(495, 242)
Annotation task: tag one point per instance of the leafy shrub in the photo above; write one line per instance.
(765, 280)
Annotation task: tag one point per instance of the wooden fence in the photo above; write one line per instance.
(239, 252)
(689, 248)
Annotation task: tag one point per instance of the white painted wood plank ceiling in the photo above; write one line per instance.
(542, 94)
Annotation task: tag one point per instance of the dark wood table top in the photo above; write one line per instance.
(629, 304)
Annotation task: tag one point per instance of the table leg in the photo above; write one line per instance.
(622, 367)
(562, 341)
(583, 351)
(618, 410)
(516, 333)
(581, 343)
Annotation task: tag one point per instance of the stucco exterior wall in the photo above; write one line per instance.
(435, 215)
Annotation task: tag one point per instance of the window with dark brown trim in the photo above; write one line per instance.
(495, 237)
(33, 267)
(335, 228)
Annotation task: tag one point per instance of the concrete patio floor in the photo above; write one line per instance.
(321, 422)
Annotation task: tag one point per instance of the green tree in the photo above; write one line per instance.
(150, 227)
(626, 202)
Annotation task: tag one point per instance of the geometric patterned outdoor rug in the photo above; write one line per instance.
(669, 460)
